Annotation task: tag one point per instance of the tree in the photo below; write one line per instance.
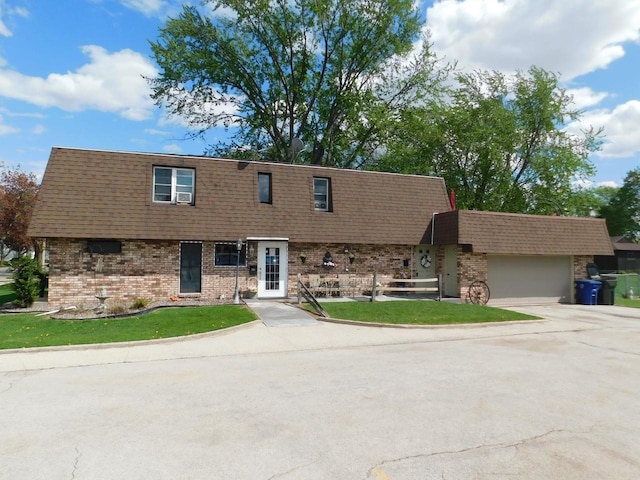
(622, 213)
(327, 72)
(498, 142)
(18, 191)
(27, 278)
(588, 202)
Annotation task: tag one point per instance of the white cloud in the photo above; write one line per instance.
(6, 129)
(621, 126)
(585, 97)
(110, 82)
(571, 37)
(147, 7)
(153, 131)
(9, 12)
(38, 130)
(4, 30)
(173, 148)
(608, 184)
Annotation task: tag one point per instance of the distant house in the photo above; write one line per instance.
(625, 257)
(159, 226)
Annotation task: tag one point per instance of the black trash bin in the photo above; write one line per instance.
(607, 292)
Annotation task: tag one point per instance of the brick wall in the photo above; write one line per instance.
(151, 269)
(471, 266)
(388, 261)
(580, 266)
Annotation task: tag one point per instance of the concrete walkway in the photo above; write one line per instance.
(277, 314)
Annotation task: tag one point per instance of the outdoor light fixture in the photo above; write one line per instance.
(236, 293)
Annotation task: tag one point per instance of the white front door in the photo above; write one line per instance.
(272, 269)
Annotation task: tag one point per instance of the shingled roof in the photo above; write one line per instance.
(518, 234)
(108, 194)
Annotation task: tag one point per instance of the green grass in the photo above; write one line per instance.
(26, 330)
(420, 312)
(6, 294)
(628, 302)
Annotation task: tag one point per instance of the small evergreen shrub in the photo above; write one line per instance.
(26, 280)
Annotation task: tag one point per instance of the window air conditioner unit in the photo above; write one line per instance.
(183, 197)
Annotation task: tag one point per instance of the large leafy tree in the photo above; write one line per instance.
(588, 202)
(498, 142)
(328, 72)
(18, 191)
(622, 213)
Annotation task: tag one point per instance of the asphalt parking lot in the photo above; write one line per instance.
(556, 399)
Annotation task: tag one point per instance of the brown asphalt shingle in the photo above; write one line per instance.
(106, 194)
(518, 234)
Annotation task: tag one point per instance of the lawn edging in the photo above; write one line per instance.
(358, 323)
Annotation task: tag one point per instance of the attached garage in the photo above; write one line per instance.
(539, 278)
(522, 258)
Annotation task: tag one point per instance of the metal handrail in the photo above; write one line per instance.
(303, 291)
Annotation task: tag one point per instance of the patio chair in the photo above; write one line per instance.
(344, 285)
(315, 285)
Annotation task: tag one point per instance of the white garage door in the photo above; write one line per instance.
(530, 278)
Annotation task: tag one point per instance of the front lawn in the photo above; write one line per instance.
(420, 312)
(26, 330)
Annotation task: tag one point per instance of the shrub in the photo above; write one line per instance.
(117, 309)
(140, 303)
(26, 280)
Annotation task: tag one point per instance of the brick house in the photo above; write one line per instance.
(625, 258)
(156, 226)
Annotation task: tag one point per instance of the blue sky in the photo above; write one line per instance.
(71, 70)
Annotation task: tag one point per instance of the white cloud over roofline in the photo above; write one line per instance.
(110, 82)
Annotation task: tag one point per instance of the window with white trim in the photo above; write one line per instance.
(173, 185)
(322, 194)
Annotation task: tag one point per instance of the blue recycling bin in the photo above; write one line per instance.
(587, 291)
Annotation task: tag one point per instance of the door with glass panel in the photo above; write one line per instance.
(272, 269)
(190, 267)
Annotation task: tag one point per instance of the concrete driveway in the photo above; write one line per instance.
(547, 400)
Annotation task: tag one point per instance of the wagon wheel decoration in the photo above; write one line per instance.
(479, 292)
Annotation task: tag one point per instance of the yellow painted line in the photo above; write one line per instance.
(379, 474)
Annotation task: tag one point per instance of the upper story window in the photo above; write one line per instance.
(173, 185)
(264, 188)
(322, 194)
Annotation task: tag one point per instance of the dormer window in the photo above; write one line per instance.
(322, 194)
(264, 188)
(173, 185)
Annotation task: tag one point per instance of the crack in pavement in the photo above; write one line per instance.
(378, 467)
(12, 383)
(75, 463)
(282, 474)
(600, 347)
